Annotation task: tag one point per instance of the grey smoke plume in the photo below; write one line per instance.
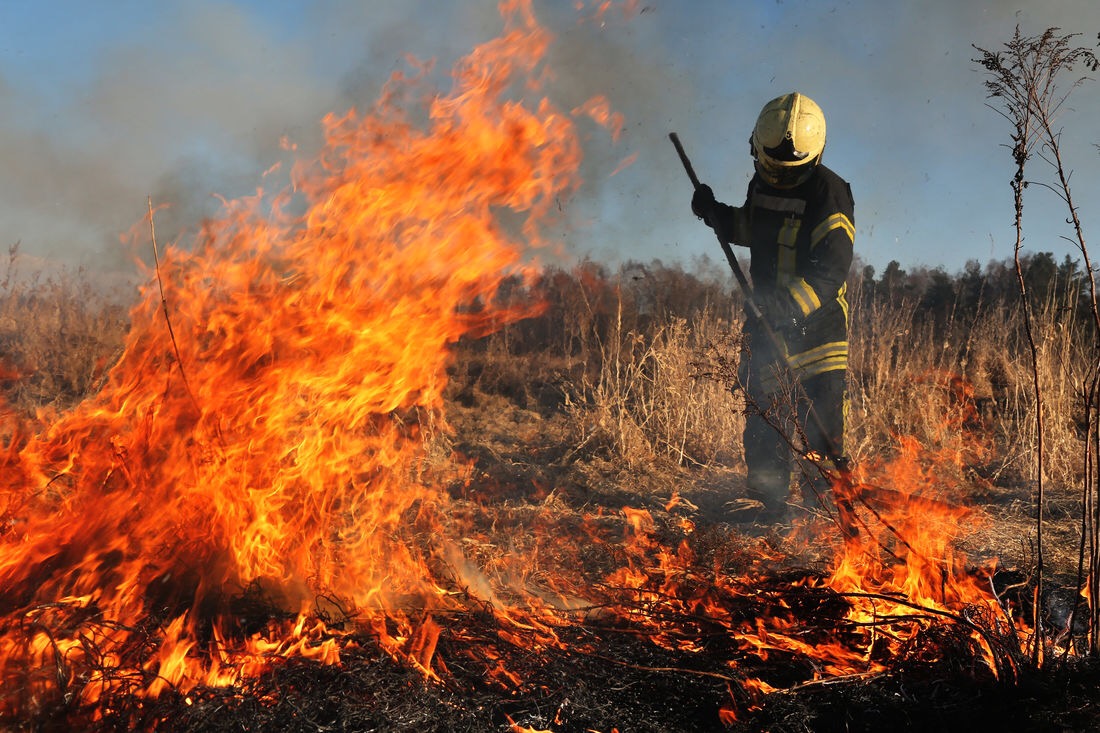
(196, 103)
(191, 99)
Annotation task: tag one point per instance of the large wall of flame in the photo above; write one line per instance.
(269, 434)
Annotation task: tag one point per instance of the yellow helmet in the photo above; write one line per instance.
(788, 139)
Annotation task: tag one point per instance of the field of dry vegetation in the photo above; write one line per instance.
(633, 369)
(618, 397)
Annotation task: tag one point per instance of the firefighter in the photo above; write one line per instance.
(798, 224)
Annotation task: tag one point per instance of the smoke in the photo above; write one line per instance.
(190, 104)
(624, 59)
(183, 101)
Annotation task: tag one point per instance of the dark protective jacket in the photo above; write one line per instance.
(800, 242)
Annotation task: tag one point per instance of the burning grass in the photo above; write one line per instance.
(583, 596)
(740, 632)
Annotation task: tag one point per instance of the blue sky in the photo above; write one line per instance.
(105, 103)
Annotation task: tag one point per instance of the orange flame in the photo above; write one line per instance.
(278, 452)
(905, 559)
(901, 573)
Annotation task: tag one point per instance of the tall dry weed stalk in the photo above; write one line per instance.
(1024, 80)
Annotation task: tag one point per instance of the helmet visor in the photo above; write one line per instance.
(784, 176)
(785, 152)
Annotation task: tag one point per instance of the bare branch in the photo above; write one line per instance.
(1024, 78)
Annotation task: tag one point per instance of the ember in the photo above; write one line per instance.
(245, 528)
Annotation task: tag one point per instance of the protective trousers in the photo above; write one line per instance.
(778, 426)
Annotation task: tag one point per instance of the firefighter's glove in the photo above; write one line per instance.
(730, 223)
(703, 203)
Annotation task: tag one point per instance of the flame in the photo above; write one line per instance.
(897, 576)
(910, 525)
(268, 443)
(267, 446)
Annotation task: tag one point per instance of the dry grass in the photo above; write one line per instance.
(633, 370)
(915, 377)
(654, 395)
(617, 398)
(59, 335)
(644, 371)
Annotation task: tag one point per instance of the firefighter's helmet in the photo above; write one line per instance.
(788, 139)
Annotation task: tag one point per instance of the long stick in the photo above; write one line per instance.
(841, 462)
(754, 309)
(164, 307)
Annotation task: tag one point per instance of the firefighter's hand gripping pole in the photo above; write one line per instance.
(754, 309)
(842, 494)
